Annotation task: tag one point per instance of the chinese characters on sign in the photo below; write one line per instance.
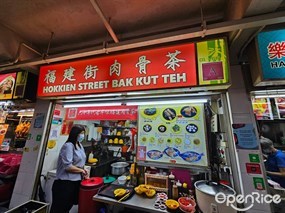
(106, 113)
(212, 62)
(271, 46)
(168, 67)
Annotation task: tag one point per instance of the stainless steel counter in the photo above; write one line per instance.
(135, 202)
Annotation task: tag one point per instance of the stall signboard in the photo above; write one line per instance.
(271, 48)
(21, 82)
(172, 134)
(102, 113)
(167, 67)
(280, 105)
(7, 84)
(262, 108)
(212, 59)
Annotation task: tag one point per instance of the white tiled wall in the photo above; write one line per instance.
(242, 113)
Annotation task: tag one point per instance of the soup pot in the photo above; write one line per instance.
(205, 195)
(119, 168)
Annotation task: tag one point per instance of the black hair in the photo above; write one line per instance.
(74, 132)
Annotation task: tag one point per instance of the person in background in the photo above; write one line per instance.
(70, 171)
(275, 163)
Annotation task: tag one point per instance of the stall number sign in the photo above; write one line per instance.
(168, 67)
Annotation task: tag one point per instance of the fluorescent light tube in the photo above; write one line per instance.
(156, 102)
(269, 96)
(92, 104)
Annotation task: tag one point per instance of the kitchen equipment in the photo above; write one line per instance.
(205, 196)
(89, 188)
(108, 179)
(108, 191)
(119, 168)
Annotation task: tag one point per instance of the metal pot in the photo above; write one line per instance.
(119, 168)
(205, 196)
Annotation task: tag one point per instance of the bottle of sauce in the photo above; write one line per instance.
(171, 178)
(134, 178)
(174, 192)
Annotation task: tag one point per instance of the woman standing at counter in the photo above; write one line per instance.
(69, 173)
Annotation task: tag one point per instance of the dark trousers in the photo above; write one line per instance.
(65, 194)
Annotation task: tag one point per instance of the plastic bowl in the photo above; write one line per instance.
(122, 179)
(171, 204)
(187, 204)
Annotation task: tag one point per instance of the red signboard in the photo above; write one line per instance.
(253, 168)
(103, 113)
(168, 67)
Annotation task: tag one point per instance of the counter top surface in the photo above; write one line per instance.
(135, 202)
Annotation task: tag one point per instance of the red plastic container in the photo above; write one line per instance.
(88, 189)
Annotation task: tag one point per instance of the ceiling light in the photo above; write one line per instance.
(156, 102)
(92, 104)
(270, 96)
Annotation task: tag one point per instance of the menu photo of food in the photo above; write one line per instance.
(262, 108)
(172, 134)
(280, 105)
(7, 83)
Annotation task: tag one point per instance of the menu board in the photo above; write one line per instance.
(280, 105)
(172, 134)
(262, 108)
(7, 83)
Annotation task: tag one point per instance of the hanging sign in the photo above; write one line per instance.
(212, 60)
(7, 84)
(102, 113)
(271, 46)
(168, 67)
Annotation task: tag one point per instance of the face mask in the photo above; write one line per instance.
(80, 137)
(266, 151)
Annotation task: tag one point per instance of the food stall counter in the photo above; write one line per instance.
(135, 202)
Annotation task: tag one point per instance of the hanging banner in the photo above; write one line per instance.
(172, 134)
(280, 105)
(212, 59)
(168, 67)
(262, 108)
(102, 113)
(7, 84)
(271, 46)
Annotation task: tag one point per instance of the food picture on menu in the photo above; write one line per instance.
(154, 154)
(188, 111)
(169, 114)
(6, 85)
(280, 103)
(171, 152)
